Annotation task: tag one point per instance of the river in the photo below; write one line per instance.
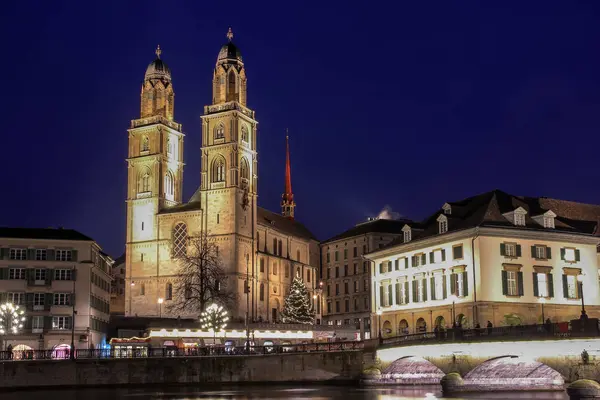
(306, 392)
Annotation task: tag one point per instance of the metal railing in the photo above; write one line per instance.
(162, 352)
(520, 332)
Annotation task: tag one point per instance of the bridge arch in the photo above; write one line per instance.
(411, 370)
(514, 373)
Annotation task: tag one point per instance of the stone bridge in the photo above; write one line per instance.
(491, 365)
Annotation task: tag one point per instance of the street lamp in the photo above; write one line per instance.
(580, 281)
(247, 288)
(379, 322)
(542, 301)
(453, 299)
(160, 301)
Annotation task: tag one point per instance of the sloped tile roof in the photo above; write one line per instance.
(374, 226)
(283, 224)
(43, 233)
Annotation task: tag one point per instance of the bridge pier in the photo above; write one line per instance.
(584, 389)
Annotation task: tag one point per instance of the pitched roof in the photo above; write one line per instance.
(373, 226)
(487, 209)
(283, 224)
(43, 233)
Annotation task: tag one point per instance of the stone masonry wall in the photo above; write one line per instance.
(344, 366)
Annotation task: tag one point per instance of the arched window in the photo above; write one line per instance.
(180, 239)
(169, 185)
(244, 170)
(143, 289)
(144, 181)
(220, 131)
(262, 292)
(145, 143)
(298, 255)
(280, 247)
(169, 146)
(244, 134)
(169, 291)
(218, 170)
(231, 89)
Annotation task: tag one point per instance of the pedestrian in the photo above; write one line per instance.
(9, 350)
(548, 325)
(436, 331)
(489, 328)
(477, 329)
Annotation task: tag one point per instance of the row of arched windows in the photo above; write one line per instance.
(219, 132)
(145, 144)
(219, 167)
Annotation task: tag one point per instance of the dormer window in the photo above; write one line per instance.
(519, 219)
(407, 233)
(549, 219)
(443, 223)
(516, 217)
(447, 209)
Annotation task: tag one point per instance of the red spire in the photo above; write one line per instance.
(287, 199)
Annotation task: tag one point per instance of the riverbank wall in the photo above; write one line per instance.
(310, 367)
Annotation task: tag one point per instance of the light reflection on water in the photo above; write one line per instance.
(308, 392)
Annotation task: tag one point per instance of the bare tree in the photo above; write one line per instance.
(201, 279)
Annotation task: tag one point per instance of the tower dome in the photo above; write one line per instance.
(229, 51)
(157, 68)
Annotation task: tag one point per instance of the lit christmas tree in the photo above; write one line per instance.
(297, 308)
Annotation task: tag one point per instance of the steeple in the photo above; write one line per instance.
(287, 199)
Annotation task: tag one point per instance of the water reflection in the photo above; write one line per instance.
(271, 392)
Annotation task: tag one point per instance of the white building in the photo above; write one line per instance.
(55, 275)
(492, 257)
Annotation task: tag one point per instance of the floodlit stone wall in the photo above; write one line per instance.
(342, 366)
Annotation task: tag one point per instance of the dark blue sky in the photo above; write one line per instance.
(409, 104)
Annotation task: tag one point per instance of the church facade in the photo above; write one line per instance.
(261, 251)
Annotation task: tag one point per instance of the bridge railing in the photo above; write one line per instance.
(554, 330)
(160, 352)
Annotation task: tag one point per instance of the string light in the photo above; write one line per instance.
(11, 318)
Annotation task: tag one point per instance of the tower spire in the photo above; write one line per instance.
(287, 199)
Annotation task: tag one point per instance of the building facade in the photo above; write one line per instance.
(117, 289)
(61, 279)
(261, 251)
(346, 275)
(493, 257)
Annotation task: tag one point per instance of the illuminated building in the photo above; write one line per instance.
(492, 257)
(346, 275)
(59, 277)
(273, 248)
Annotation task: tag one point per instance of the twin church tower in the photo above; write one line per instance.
(265, 248)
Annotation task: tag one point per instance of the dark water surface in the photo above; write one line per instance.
(306, 391)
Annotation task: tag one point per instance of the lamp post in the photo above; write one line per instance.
(131, 285)
(379, 322)
(247, 288)
(580, 282)
(160, 301)
(453, 299)
(542, 301)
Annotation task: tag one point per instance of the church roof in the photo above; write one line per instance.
(373, 226)
(191, 206)
(488, 209)
(283, 224)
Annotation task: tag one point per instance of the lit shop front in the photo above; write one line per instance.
(193, 338)
(131, 347)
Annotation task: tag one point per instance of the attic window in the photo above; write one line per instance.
(519, 219)
(549, 219)
(447, 209)
(443, 223)
(407, 233)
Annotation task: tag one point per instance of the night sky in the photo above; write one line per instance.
(409, 104)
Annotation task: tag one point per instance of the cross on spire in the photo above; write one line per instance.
(158, 51)
(229, 34)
